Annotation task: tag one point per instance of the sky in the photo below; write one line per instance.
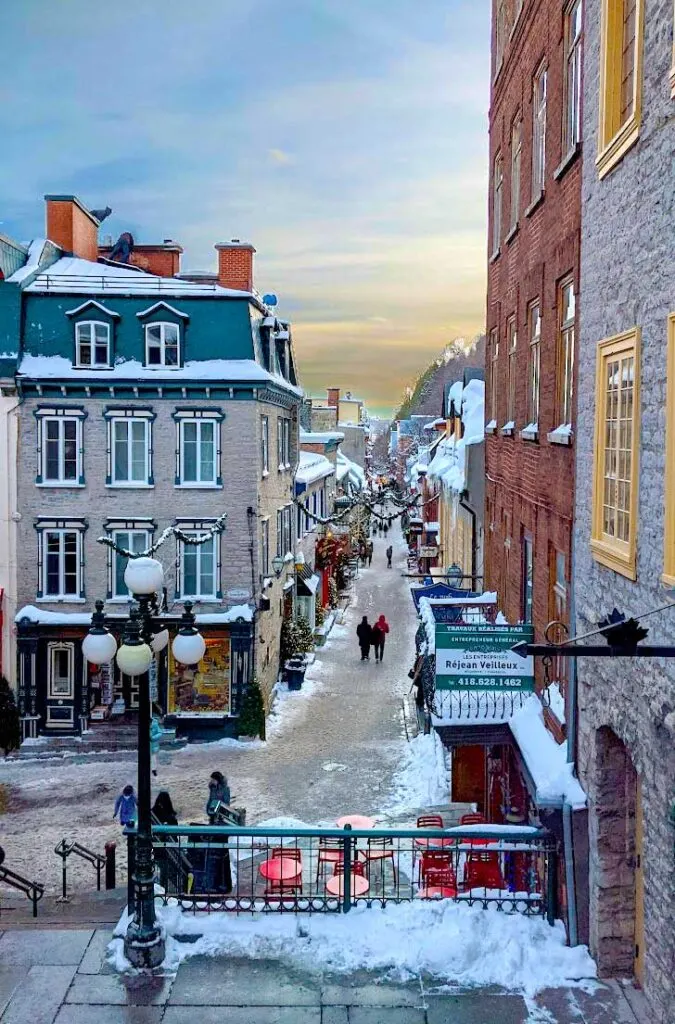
(346, 139)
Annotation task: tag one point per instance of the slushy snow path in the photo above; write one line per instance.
(334, 748)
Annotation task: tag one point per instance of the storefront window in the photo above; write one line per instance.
(206, 687)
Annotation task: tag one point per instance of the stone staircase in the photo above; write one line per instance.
(102, 738)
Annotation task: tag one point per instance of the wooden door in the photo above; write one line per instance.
(639, 888)
(468, 775)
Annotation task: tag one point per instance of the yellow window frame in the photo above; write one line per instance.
(671, 74)
(614, 140)
(668, 576)
(621, 556)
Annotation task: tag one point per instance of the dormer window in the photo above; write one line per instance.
(92, 343)
(162, 344)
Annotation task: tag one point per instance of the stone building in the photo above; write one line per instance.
(147, 402)
(533, 284)
(625, 509)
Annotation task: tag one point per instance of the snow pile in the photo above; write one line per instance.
(556, 701)
(289, 705)
(546, 759)
(473, 412)
(429, 623)
(312, 467)
(349, 474)
(464, 945)
(422, 779)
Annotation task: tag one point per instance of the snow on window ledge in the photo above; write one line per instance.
(491, 427)
(530, 432)
(508, 428)
(561, 434)
(265, 473)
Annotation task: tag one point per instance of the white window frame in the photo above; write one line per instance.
(116, 534)
(199, 422)
(497, 202)
(199, 550)
(61, 480)
(129, 420)
(69, 649)
(287, 442)
(265, 444)
(162, 364)
(572, 81)
(539, 100)
(265, 547)
(91, 341)
(45, 532)
(516, 161)
(534, 375)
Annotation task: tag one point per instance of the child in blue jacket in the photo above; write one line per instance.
(126, 806)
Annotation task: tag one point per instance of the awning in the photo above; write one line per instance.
(438, 590)
(308, 581)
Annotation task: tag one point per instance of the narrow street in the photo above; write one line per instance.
(331, 750)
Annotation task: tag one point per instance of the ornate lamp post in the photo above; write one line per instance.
(144, 941)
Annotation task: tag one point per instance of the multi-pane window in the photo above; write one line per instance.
(512, 350)
(61, 563)
(61, 449)
(265, 547)
(538, 133)
(265, 443)
(287, 442)
(516, 153)
(572, 121)
(534, 326)
(497, 198)
(198, 451)
(528, 578)
(130, 540)
(288, 529)
(628, 39)
(501, 28)
(494, 370)
(280, 533)
(620, 79)
(558, 612)
(283, 442)
(198, 568)
(130, 449)
(61, 679)
(616, 447)
(92, 342)
(162, 344)
(566, 329)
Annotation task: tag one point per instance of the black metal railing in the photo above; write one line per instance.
(33, 890)
(211, 867)
(65, 849)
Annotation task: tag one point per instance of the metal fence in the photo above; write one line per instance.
(210, 867)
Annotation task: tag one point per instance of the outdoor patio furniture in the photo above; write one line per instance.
(358, 868)
(356, 821)
(283, 874)
(358, 886)
(437, 892)
(427, 821)
(482, 872)
(330, 851)
(434, 860)
(380, 850)
(287, 851)
(473, 818)
(440, 877)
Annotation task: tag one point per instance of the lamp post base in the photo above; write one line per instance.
(144, 948)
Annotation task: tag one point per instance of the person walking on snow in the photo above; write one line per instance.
(126, 806)
(390, 552)
(155, 736)
(369, 553)
(364, 632)
(380, 630)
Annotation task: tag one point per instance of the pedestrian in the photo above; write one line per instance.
(389, 553)
(380, 630)
(155, 736)
(126, 806)
(163, 809)
(369, 552)
(364, 632)
(386, 528)
(219, 793)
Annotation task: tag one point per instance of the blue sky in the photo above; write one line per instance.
(347, 139)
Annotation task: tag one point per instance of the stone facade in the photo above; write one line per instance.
(626, 751)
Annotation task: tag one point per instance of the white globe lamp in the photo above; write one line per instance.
(134, 659)
(189, 645)
(144, 576)
(99, 645)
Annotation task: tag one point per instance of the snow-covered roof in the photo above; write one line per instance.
(44, 617)
(72, 274)
(226, 370)
(312, 467)
(546, 760)
(35, 250)
(455, 396)
(349, 474)
(321, 436)
(89, 304)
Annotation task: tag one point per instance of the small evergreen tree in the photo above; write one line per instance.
(10, 724)
(305, 636)
(252, 714)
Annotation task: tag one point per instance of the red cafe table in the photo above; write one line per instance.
(359, 885)
(282, 870)
(356, 821)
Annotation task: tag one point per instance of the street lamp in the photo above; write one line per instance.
(144, 940)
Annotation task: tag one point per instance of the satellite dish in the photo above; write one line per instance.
(270, 300)
(123, 248)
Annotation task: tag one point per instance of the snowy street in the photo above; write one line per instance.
(333, 748)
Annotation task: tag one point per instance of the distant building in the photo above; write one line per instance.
(346, 414)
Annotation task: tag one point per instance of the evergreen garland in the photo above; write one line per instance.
(10, 724)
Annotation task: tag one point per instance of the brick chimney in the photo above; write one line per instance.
(72, 227)
(235, 265)
(333, 397)
(161, 259)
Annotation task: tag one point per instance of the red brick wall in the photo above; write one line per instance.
(69, 227)
(235, 266)
(532, 481)
(160, 261)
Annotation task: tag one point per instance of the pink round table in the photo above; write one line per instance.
(281, 869)
(356, 821)
(359, 885)
(434, 844)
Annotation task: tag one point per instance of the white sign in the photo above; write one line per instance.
(454, 661)
(152, 680)
(238, 594)
(428, 551)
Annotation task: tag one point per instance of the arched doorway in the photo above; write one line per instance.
(617, 932)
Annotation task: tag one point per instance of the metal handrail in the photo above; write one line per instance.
(33, 890)
(64, 850)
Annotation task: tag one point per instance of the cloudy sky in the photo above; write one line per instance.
(346, 139)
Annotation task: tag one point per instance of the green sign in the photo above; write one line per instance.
(479, 657)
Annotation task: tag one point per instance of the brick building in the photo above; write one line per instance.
(625, 507)
(533, 288)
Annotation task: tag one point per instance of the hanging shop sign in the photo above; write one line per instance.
(152, 681)
(204, 688)
(428, 551)
(480, 657)
(415, 527)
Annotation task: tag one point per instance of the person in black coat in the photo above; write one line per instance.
(364, 632)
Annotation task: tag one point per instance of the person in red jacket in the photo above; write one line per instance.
(380, 630)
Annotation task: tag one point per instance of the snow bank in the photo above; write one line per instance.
(422, 779)
(455, 943)
(546, 759)
(289, 705)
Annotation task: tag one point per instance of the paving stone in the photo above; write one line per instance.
(38, 998)
(119, 990)
(334, 1015)
(109, 1015)
(477, 1008)
(43, 947)
(606, 1004)
(209, 982)
(10, 978)
(387, 1015)
(94, 959)
(242, 1015)
(362, 990)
